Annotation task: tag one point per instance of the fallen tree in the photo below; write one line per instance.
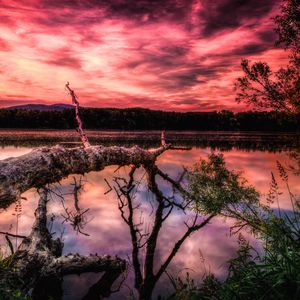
(38, 263)
(49, 165)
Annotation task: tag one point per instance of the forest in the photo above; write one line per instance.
(146, 119)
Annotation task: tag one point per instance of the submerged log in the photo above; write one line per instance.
(49, 165)
(39, 259)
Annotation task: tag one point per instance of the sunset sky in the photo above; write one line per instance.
(178, 55)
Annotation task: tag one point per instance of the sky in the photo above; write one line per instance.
(181, 55)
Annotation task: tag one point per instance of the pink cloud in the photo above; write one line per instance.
(183, 56)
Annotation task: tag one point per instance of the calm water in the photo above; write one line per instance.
(205, 251)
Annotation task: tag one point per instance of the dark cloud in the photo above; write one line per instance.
(190, 76)
(175, 50)
(64, 58)
(166, 56)
(65, 62)
(184, 102)
(230, 14)
(70, 18)
(251, 48)
(179, 80)
(6, 20)
(214, 16)
(144, 10)
(268, 37)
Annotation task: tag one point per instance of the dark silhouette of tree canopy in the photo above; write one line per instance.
(145, 119)
(278, 90)
(288, 25)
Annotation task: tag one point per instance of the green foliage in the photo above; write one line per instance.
(275, 273)
(5, 262)
(16, 294)
(13, 295)
(187, 289)
(214, 189)
(272, 274)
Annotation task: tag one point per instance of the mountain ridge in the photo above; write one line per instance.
(42, 107)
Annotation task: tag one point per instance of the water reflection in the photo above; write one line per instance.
(207, 250)
(222, 140)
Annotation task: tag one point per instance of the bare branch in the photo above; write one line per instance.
(178, 244)
(109, 186)
(13, 235)
(80, 130)
(10, 245)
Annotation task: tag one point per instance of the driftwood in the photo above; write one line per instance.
(48, 165)
(38, 262)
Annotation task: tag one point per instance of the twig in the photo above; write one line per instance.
(110, 188)
(10, 245)
(13, 235)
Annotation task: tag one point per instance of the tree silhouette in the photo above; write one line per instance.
(278, 90)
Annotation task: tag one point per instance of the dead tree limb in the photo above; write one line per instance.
(39, 257)
(49, 165)
(80, 130)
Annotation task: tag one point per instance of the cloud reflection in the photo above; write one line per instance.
(110, 235)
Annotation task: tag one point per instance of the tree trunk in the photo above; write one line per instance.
(48, 165)
(146, 290)
(38, 261)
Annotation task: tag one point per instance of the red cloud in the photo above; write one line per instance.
(183, 56)
(4, 45)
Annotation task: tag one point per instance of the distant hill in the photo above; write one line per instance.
(42, 107)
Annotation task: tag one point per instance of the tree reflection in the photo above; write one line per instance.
(76, 218)
(205, 191)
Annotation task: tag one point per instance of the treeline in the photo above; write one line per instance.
(145, 119)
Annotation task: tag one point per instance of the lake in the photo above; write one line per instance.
(208, 250)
